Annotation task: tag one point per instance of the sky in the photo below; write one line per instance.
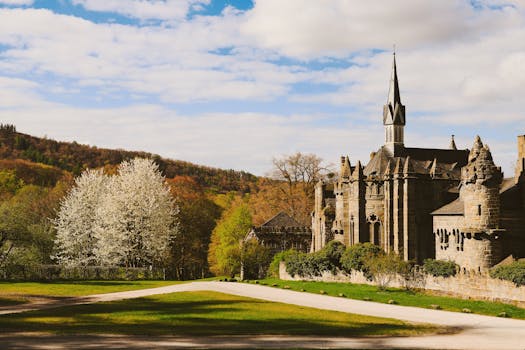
(235, 83)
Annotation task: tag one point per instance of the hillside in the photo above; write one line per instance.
(17, 150)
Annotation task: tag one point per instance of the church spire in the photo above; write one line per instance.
(394, 114)
(394, 97)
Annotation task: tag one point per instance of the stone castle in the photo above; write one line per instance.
(425, 203)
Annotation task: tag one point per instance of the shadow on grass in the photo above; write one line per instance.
(201, 314)
(7, 301)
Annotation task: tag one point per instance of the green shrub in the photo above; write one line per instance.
(384, 267)
(333, 252)
(514, 272)
(313, 264)
(355, 257)
(273, 270)
(440, 268)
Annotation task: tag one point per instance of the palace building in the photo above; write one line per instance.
(425, 202)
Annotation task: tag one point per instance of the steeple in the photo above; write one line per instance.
(394, 114)
(452, 144)
(393, 91)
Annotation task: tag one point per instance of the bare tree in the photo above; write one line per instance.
(300, 172)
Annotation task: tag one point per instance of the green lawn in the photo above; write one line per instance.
(204, 313)
(8, 290)
(400, 296)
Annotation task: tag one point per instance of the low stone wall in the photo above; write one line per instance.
(467, 285)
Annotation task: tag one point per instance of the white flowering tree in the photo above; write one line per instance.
(75, 240)
(136, 218)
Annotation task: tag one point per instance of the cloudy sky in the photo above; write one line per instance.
(233, 83)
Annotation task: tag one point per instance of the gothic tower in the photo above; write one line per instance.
(394, 115)
(480, 184)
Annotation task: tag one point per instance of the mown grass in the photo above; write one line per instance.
(399, 296)
(9, 290)
(205, 314)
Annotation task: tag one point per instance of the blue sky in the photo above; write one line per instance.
(235, 83)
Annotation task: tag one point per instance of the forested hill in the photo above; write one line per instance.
(73, 157)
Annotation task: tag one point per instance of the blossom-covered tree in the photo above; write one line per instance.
(136, 218)
(75, 240)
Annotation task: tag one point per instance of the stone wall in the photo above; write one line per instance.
(469, 285)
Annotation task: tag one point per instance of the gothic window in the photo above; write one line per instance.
(377, 238)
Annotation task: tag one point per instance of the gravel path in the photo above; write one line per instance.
(479, 332)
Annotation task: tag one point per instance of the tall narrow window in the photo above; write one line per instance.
(479, 210)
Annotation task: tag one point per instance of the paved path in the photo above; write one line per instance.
(480, 332)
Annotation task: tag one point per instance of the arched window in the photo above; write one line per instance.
(377, 235)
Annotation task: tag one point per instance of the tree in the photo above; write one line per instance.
(76, 221)
(255, 259)
(225, 249)
(136, 219)
(300, 168)
(26, 233)
(272, 197)
(197, 218)
(293, 191)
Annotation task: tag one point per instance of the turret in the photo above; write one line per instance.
(520, 165)
(394, 115)
(452, 144)
(346, 171)
(480, 184)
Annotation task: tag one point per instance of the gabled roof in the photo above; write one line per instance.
(453, 208)
(281, 220)
(443, 163)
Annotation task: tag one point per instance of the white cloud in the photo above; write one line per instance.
(244, 141)
(459, 68)
(314, 28)
(16, 2)
(144, 9)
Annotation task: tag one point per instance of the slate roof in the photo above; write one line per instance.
(447, 156)
(281, 220)
(456, 207)
(448, 162)
(507, 184)
(453, 208)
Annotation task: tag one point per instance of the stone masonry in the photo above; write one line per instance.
(425, 202)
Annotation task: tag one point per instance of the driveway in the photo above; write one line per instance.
(479, 332)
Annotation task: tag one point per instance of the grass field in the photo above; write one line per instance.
(399, 296)
(204, 313)
(12, 293)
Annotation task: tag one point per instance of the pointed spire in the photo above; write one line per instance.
(433, 168)
(452, 144)
(476, 148)
(345, 167)
(397, 169)
(408, 168)
(393, 110)
(386, 174)
(358, 171)
(477, 143)
(394, 97)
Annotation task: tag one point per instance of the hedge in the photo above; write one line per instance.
(514, 272)
(440, 268)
